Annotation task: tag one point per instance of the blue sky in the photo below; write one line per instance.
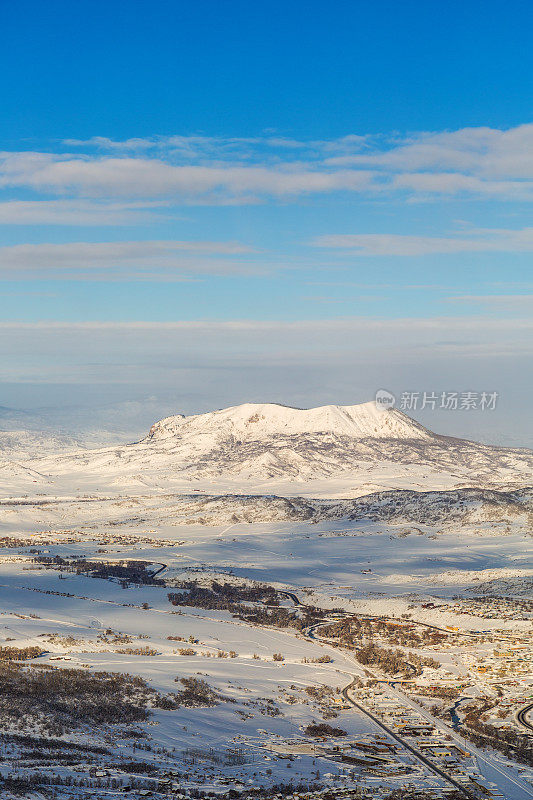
(340, 193)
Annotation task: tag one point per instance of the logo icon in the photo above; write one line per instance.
(384, 400)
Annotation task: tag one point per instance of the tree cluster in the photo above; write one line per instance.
(234, 598)
(196, 692)
(511, 743)
(128, 572)
(323, 729)
(353, 630)
(19, 653)
(394, 661)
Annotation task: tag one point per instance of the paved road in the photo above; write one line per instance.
(522, 716)
(297, 602)
(417, 754)
(496, 772)
(295, 599)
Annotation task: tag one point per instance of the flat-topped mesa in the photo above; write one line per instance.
(255, 421)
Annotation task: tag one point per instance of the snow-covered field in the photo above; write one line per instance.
(344, 508)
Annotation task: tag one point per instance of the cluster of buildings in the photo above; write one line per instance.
(491, 608)
(433, 744)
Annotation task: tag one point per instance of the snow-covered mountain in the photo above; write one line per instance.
(254, 421)
(326, 451)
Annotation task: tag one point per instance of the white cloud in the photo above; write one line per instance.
(78, 212)
(130, 259)
(142, 177)
(497, 240)
(453, 183)
(477, 162)
(487, 152)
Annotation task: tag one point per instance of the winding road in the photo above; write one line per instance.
(523, 715)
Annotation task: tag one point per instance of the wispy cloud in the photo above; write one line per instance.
(515, 302)
(440, 325)
(499, 240)
(163, 260)
(80, 212)
(426, 184)
(240, 147)
(144, 177)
